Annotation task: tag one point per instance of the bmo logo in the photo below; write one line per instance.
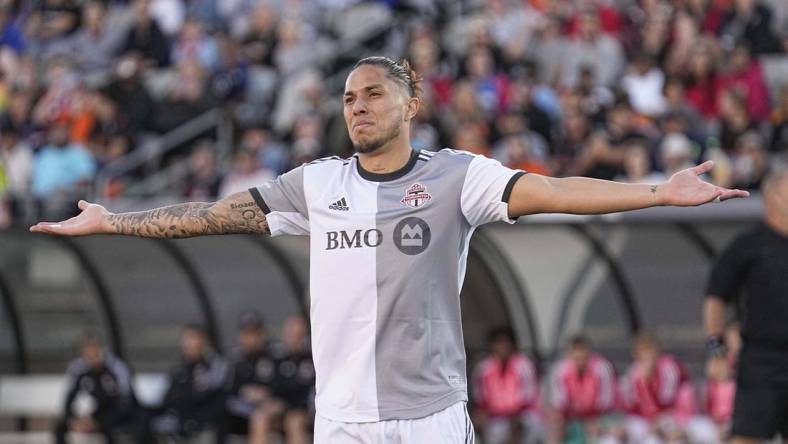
(359, 238)
(412, 235)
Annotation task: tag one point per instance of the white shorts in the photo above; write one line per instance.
(449, 426)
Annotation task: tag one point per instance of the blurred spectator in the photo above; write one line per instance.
(492, 88)
(52, 19)
(643, 85)
(203, 181)
(258, 40)
(95, 43)
(464, 108)
(591, 47)
(186, 100)
(244, 174)
(734, 118)
(746, 76)
(656, 393)
(194, 45)
(231, 74)
(61, 167)
(99, 397)
(750, 20)
(194, 399)
(676, 153)
(145, 37)
(506, 393)
(250, 400)
(779, 139)
(638, 166)
(271, 154)
(593, 100)
(703, 83)
(750, 161)
(295, 384)
(11, 33)
(717, 395)
(583, 392)
(519, 147)
(16, 165)
(678, 109)
(133, 102)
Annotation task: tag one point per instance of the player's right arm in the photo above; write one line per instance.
(235, 214)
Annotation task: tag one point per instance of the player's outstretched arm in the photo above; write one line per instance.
(235, 214)
(534, 194)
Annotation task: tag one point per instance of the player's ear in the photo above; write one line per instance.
(412, 108)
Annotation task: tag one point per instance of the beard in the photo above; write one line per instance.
(375, 144)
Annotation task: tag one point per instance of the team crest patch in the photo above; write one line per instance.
(416, 196)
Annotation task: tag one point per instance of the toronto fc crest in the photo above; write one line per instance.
(416, 196)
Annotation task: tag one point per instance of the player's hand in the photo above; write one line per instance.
(686, 189)
(92, 220)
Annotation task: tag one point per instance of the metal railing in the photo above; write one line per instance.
(150, 154)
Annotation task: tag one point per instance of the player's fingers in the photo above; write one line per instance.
(703, 168)
(732, 194)
(46, 227)
(82, 204)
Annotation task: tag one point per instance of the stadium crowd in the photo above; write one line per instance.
(265, 388)
(618, 89)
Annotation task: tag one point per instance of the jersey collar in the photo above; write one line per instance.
(386, 177)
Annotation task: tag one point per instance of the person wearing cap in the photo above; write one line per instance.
(250, 405)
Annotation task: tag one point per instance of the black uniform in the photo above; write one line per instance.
(753, 273)
(295, 380)
(256, 369)
(107, 391)
(193, 400)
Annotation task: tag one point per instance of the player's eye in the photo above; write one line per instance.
(374, 94)
(348, 100)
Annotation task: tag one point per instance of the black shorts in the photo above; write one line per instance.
(761, 406)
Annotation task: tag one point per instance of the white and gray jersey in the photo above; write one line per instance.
(388, 254)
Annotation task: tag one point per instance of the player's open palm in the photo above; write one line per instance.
(686, 189)
(91, 220)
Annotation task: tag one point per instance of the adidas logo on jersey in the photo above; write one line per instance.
(340, 205)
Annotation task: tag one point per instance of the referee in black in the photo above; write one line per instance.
(753, 274)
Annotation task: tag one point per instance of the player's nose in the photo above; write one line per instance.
(359, 107)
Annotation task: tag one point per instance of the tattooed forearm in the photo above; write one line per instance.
(233, 215)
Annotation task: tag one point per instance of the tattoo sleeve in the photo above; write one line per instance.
(236, 214)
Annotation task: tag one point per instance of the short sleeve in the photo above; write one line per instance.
(729, 271)
(486, 190)
(284, 203)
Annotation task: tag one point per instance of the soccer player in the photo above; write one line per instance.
(655, 392)
(250, 405)
(757, 263)
(583, 389)
(194, 400)
(389, 231)
(506, 393)
(100, 397)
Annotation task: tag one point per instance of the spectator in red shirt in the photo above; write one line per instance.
(703, 82)
(582, 388)
(506, 393)
(655, 392)
(746, 76)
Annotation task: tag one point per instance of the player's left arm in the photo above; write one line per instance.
(534, 193)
